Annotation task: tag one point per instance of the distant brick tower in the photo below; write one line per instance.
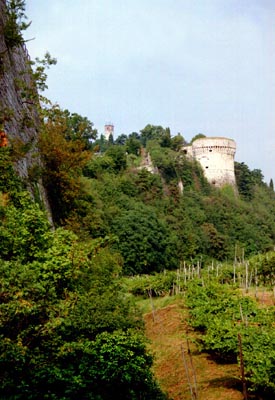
(108, 130)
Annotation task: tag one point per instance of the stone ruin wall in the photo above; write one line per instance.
(19, 116)
(216, 156)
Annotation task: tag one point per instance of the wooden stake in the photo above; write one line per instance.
(193, 370)
(152, 304)
(234, 265)
(242, 367)
(246, 277)
(256, 284)
(241, 312)
(187, 373)
(185, 272)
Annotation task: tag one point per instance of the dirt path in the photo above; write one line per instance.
(167, 330)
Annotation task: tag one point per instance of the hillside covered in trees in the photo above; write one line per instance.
(68, 327)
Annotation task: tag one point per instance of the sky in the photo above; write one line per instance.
(195, 66)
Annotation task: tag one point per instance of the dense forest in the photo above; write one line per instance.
(69, 328)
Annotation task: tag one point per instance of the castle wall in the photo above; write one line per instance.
(216, 156)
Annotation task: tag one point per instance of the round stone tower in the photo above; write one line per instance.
(216, 156)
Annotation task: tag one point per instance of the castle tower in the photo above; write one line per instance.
(108, 130)
(216, 156)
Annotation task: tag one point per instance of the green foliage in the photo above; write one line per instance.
(118, 156)
(154, 132)
(29, 89)
(75, 126)
(111, 141)
(67, 329)
(63, 161)
(177, 142)
(6, 113)
(100, 145)
(23, 229)
(67, 325)
(265, 267)
(148, 185)
(214, 242)
(259, 356)
(174, 167)
(15, 23)
(215, 300)
(221, 313)
(133, 146)
(247, 180)
(144, 242)
(159, 284)
(116, 366)
(121, 140)
(192, 175)
(99, 165)
(79, 128)
(241, 223)
(39, 67)
(203, 222)
(198, 136)
(166, 138)
(27, 92)
(164, 159)
(9, 182)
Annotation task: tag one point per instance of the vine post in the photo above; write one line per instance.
(242, 367)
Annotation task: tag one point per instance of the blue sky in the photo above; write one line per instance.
(196, 66)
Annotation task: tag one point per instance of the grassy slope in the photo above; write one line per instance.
(167, 328)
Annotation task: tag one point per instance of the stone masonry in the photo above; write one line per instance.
(19, 117)
(216, 156)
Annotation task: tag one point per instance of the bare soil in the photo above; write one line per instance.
(168, 330)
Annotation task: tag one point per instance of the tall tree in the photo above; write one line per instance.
(144, 242)
(63, 161)
(152, 132)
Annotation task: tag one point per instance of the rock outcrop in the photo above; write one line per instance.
(19, 108)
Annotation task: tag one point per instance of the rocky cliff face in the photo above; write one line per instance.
(19, 117)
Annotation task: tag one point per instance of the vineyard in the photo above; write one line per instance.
(228, 314)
